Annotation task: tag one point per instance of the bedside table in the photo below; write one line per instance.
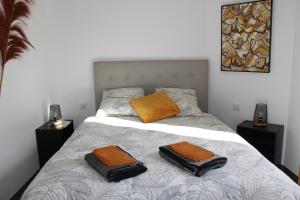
(50, 139)
(267, 140)
(299, 177)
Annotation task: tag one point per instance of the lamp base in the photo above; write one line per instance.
(57, 122)
(259, 124)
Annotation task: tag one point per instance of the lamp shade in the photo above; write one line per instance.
(260, 115)
(55, 113)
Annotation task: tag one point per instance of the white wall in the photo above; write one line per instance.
(293, 137)
(21, 111)
(246, 89)
(70, 34)
(110, 29)
(113, 29)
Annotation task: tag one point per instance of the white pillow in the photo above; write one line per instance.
(186, 99)
(115, 102)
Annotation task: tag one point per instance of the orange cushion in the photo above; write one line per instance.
(191, 152)
(155, 107)
(113, 156)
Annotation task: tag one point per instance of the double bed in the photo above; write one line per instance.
(247, 174)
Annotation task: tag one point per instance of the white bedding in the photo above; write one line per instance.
(247, 174)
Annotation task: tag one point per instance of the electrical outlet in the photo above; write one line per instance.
(83, 106)
(236, 107)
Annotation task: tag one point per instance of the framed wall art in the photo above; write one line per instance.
(246, 36)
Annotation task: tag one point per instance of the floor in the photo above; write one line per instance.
(288, 172)
(18, 195)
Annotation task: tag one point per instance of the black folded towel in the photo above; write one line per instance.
(115, 174)
(197, 168)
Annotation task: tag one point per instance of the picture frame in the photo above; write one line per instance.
(246, 36)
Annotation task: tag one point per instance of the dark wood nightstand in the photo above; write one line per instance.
(50, 139)
(267, 140)
(299, 177)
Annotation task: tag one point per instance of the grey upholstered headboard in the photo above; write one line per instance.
(151, 74)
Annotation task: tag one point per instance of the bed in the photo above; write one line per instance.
(247, 174)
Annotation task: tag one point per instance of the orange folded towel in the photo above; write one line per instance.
(191, 152)
(113, 156)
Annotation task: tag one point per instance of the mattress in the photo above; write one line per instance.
(247, 174)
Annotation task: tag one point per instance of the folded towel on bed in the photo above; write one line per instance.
(113, 156)
(177, 155)
(127, 167)
(191, 152)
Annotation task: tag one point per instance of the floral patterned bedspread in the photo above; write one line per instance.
(247, 174)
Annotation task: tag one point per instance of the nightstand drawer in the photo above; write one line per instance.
(262, 141)
(267, 140)
(48, 144)
(50, 139)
